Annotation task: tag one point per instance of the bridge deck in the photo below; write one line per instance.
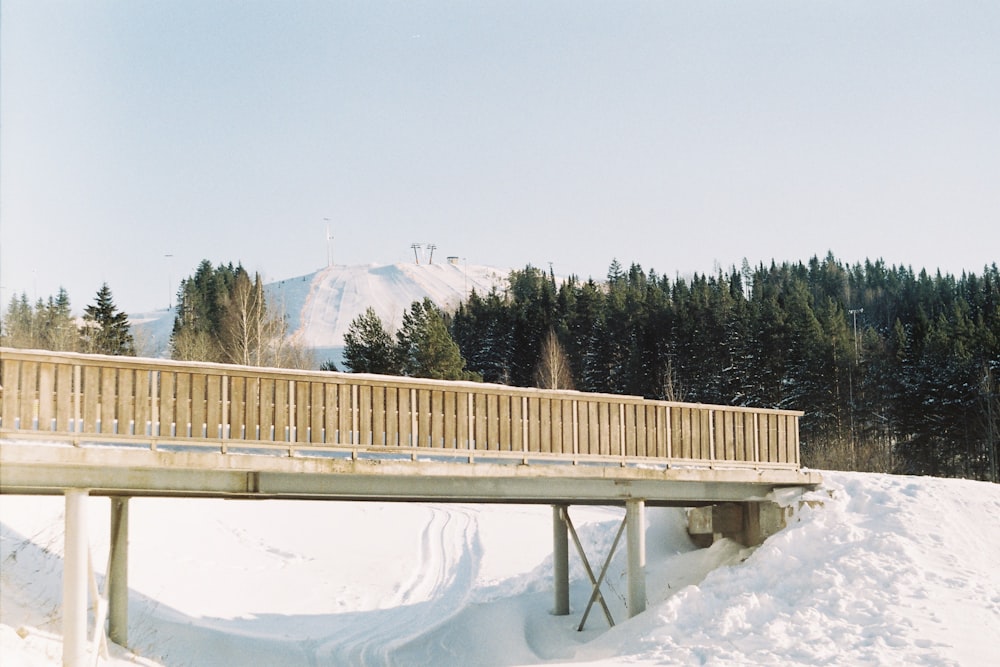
(155, 427)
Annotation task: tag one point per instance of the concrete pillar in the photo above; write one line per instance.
(75, 580)
(560, 560)
(635, 536)
(118, 572)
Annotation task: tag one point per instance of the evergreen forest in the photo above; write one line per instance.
(896, 371)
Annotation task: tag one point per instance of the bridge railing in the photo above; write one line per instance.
(77, 397)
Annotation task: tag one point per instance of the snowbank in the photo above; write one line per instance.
(889, 570)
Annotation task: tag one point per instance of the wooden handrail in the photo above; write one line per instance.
(82, 397)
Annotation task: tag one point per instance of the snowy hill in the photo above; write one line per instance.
(888, 571)
(320, 306)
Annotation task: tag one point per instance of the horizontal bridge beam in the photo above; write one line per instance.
(34, 469)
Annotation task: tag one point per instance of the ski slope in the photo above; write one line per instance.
(887, 571)
(321, 306)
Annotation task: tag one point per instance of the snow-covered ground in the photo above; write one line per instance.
(888, 571)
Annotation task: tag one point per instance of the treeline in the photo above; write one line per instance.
(223, 315)
(896, 371)
(50, 325)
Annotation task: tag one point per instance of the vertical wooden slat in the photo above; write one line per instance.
(437, 418)
(345, 412)
(266, 410)
(251, 401)
(423, 417)
(480, 420)
(707, 436)
(504, 438)
(364, 409)
(774, 446)
(493, 422)
(614, 429)
(213, 406)
(604, 428)
(282, 411)
(91, 396)
(747, 453)
(568, 426)
(687, 432)
(634, 431)
(450, 419)
(782, 439)
(459, 410)
(545, 425)
(668, 430)
(46, 395)
(391, 416)
(64, 397)
(143, 403)
(302, 417)
(764, 427)
(237, 406)
(166, 394)
(331, 413)
(126, 401)
(534, 424)
(405, 421)
(28, 391)
(108, 399)
(583, 418)
(756, 438)
(317, 403)
(183, 402)
(199, 414)
(11, 382)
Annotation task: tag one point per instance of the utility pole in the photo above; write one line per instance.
(854, 313)
(850, 382)
(170, 284)
(431, 247)
(329, 244)
(416, 247)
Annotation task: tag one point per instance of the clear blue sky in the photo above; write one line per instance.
(679, 135)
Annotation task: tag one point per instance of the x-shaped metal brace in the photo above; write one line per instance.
(595, 595)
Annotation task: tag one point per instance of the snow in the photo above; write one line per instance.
(321, 306)
(880, 570)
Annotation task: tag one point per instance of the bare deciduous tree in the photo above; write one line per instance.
(553, 370)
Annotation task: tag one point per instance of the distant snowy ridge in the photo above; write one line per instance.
(321, 306)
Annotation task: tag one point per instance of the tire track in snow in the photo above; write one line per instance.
(444, 573)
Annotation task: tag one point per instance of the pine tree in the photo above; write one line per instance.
(106, 330)
(368, 347)
(57, 327)
(19, 326)
(424, 348)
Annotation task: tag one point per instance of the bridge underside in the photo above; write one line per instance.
(78, 472)
(122, 471)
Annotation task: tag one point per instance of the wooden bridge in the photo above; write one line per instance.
(80, 425)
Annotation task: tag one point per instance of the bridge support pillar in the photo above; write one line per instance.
(118, 572)
(560, 560)
(75, 579)
(635, 536)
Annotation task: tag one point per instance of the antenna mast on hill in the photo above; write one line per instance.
(329, 244)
